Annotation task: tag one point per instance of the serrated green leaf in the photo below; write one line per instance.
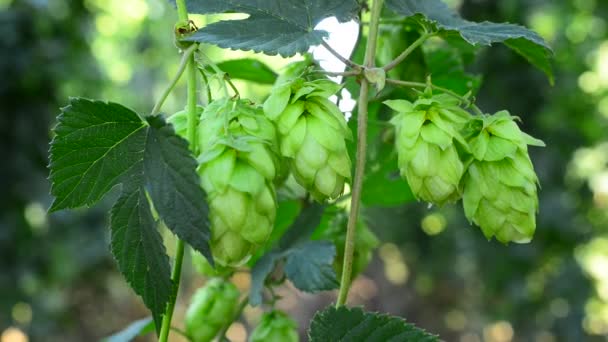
(299, 231)
(248, 69)
(99, 145)
(138, 249)
(309, 266)
(172, 182)
(522, 40)
(353, 324)
(282, 27)
(96, 145)
(137, 328)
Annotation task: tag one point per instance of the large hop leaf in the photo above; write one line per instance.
(285, 27)
(428, 157)
(312, 133)
(212, 307)
(238, 166)
(500, 192)
(275, 326)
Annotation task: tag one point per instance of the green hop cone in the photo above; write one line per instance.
(500, 194)
(238, 164)
(211, 308)
(365, 243)
(312, 133)
(426, 132)
(275, 326)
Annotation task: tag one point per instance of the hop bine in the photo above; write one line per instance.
(238, 164)
(212, 307)
(426, 135)
(312, 133)
(500, 185)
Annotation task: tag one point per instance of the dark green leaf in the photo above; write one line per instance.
(99, 145)
(137, 328)
(290, 246)
(139, 251)
(353, 324)
(172, 182)
(525, 42)
(259, 273)
(446, 67)
(310, 268)
(382, 185)
(96, 145)
(303, 227)
(285, 27)
(248, 69)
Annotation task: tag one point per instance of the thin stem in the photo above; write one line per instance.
(407, 51)
(236, 316)
(207, 86)
(342, 59)
(175, 278)
(229, 81)
(338, 73)
(179, 249)
(411, 84)
(349, 246)
(182, 66)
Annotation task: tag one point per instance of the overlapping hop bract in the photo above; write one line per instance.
(211, 308)
(312, 133)
(426, 135)
(500, 193)
(238, 163)
(275, 326)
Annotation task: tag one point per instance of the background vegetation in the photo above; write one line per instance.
(58, 281)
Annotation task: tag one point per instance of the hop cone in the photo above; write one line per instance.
(275, 326)
(500, 183)
(212, 307)
(238, 166)
(312, 133)
(426, 131)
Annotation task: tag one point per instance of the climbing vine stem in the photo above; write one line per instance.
(192, 120)
(349, 247)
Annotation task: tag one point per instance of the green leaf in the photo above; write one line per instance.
(291, 249)
(522, 40)
(135, 329)
(446, 67)
(100, 145)
(309, 266)
(140, 252)
(282, 27)
(382, 185)
(96, 145)
(172, 182)
(353, 324)
(249, 69)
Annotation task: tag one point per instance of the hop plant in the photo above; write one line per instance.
(426, 132)
(500, 194)
(365, 243)
(179, 121)
(312, 133)
(238, 164)
(275, 326)
(212, 307)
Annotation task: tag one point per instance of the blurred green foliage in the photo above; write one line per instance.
(59, 282)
